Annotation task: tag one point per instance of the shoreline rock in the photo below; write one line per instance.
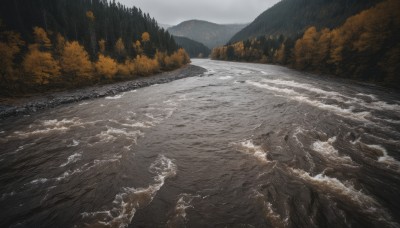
(25, 106)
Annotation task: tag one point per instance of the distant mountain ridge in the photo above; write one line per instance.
(292, 17)
(193, 48)
(164, 26)
(207, 33)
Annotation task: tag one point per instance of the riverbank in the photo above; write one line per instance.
(30, 104)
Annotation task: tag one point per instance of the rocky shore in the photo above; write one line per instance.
(27, 105)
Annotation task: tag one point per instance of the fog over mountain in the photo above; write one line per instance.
(222, 12)
(207, 33)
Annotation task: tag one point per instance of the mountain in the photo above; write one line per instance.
(164, 26)
(193, 48)
(210, 34)
(292, 17)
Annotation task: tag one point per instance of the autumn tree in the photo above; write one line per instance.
(120, 49)
(91, 18)
(102, 46)
(305, 48)
(41, 38)
(138, 47)
(160, 56)
(280, 54)
(40, 65)
(145, 37)
(177, 59)
(322, 50)
(127, 68)
(75, 62)
(10, 46)
(147, 45)
(106, 67)
(60, 44)
(146, 66)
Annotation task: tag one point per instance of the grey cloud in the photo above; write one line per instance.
(219, 11)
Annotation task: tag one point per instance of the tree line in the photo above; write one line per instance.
(74, 43)
(366, 47)
(292, 17)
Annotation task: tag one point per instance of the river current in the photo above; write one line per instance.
(243, 145)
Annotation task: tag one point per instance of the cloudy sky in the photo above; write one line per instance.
(173, 12)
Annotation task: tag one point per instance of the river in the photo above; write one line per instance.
(243, 145)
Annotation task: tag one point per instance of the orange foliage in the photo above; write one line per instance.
(120, 47)
(145, 37)
(41, 38)
(90, 15)
(304, 48)
(146, 66)
(60, 44)
(40, 65)
(75, 61)
(106, 66)
(138, 47)
(127, 68)
(177, 59)
(102, 45)
(280, 54)
(10, 45)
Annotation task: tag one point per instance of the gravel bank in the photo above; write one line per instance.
(28, 105)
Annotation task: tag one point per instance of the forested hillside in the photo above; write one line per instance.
(292, 17)
(366, 47)
(193, 48)
(210, 34)
(69, 43)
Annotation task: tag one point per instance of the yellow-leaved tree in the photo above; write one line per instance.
(145, 37)
(90, 16)
(322, 50)
(106, 66)
(280, 54)
(138, 47)
(60, 44)
(305, 47)
(10, 46)
(127, 68)
(41, 38)
(40, 66)
(160, 56)
(102, 45)
(120, 49)
(177, 59)
(75, 62)
(146, 66)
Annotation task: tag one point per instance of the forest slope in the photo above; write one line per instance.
(292, 17)
(193, 48)
(70, 43)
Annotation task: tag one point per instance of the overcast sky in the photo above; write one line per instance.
(173, 12)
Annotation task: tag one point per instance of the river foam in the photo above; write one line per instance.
(375, 104)
(178, 217)
(48, 126)
(295, 96)
(270, 214)
(249, 148)
(127, 202)
(383, 156)
(72, 159)
(116, 97)
(328, 151)
(346, 192)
